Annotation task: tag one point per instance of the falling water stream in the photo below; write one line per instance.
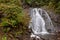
(40, 22)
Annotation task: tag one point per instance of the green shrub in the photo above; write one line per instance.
(4, 37)
(12, 15)
(37, 2)
(16, 2)
(57, 10)
(52, 4)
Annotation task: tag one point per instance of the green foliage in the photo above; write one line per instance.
(16, 2)
(37, 2)
(52, 4)
(4, 37)
(28, 1)
(58, 8)
(12, 16)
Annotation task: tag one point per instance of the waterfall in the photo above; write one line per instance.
(39, 22)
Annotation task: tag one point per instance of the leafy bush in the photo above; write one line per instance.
(4, 37)
(37, 2)
(57, 10)
(16, 2)
(52, 4)
(12, 15)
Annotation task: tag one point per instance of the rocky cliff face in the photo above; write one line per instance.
(56, 22)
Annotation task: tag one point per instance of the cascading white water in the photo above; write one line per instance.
(39, 21)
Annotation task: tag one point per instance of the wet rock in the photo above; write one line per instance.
(56, 21)
(19, 37)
